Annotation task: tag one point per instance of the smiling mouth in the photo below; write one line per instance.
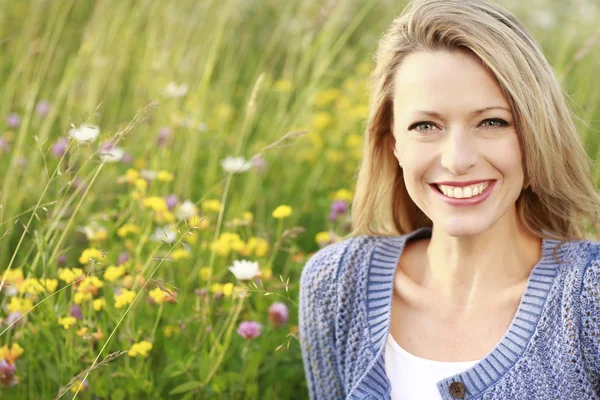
(462, 192)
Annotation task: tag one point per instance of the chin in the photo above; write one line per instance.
(457, 227)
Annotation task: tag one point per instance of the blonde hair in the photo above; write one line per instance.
(558, 191)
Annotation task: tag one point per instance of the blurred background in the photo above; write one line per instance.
(167, 168)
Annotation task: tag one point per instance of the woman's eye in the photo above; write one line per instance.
(420, 125)
(497, 122)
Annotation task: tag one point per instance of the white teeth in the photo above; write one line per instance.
(463, 192)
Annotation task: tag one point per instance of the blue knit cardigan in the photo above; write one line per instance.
(550, 351)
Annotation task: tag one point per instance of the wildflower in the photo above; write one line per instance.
(76, 312)
(127, 158)
(110, 153)
(278, 314)
(205, 273)
(216, 288)
(244, 270)
(343, 194)
(92, 253)
(123, 258)
(59, 147)
(98, 304)
(249, 329)
(323, 238)
(42, 108)
(235, 164)
(7, 373)
(127, 229)
(126, 297)
(19, 305)
(198, 222)
(211, 205)
(321, 121)
(332, 216)
(173, 90)
(69, 275)
(180, 254)
(259, 163)
(247, 216)
(266, 273)
(113, 273)
(186, 210)
(31, 286)
(81, 297)
(339, 206)
(200, 292)
(49, 284)
(80, 385)
(157, 203)
(94, 232)
(66, 322)
(259, 245)
(169, 330)
(163, 134)
(140, 349)
(62, 260)
(164, 176)
(327, 96)
(165, 234)
(81, 332)
(227, 289)
(85, 133)
(171, 201)
(13, 120)
(13, 317)
(90, 284)
(11, 354)
(282, 211)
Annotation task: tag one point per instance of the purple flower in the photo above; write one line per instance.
(62, 260)
(59, 148)
(76, 312)
(13, 120)
(201, 292)
(171, 201)
(249, 329)
(259, 163)
(78, 182)
(123, 258)
(332, 216)
(339, 206)
(12, 317)
(42, 108)
(127, 158)
(278, 314)
(7, 373)
(4, 145)
(163, 134)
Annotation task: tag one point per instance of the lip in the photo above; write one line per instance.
(463, 184)
(471, 201)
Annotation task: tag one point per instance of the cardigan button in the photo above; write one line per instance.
(457, 390)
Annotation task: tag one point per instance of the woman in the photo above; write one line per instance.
(468, 274)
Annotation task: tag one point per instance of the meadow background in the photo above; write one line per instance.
(147, 146)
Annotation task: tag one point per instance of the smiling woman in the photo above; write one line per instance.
(469, 273)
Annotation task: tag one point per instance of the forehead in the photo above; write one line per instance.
(445, 82)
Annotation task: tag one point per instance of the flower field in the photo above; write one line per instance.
(167, 168)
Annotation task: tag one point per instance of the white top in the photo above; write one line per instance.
(416, 378)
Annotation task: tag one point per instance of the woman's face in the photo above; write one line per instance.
(453, 126)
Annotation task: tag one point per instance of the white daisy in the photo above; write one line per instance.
(85, 133)
(236, 164)
(244, 269)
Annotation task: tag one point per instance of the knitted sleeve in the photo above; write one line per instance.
(590, 303)
(316, 321)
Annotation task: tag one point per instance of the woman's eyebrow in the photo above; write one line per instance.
(473, 114)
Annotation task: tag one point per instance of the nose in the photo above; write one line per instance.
(459, 152)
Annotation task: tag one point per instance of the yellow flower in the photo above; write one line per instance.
(31, 286)
(238, 246)
(158, 295)
(11, 355)
(128, 228)
(211, 205)
(141, 184)
(69, 275)
(127, 281)
(89, 253)
(247, 216)
(180, 254)
(169, 330)
(90, 284)
(80, 297)
(140, 349)
(125, 298)
(216, 287)
(21, 305)
(323, 237)
(205, 273)
(191, 237)
(81, 332)
(13, 275)
(283, 85)
(156, 203)
(327, 96)
(354, 140)
(343, 194)
(78, 386)
(227, 288)
(49, 284)
(282, 211)
(99, 303)
(164, 176)
(321, 121)
(266, 273)
(114, 272)
(221, 247)
(259, 245)
(131, 175)
(66, 322)
(201, 222)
